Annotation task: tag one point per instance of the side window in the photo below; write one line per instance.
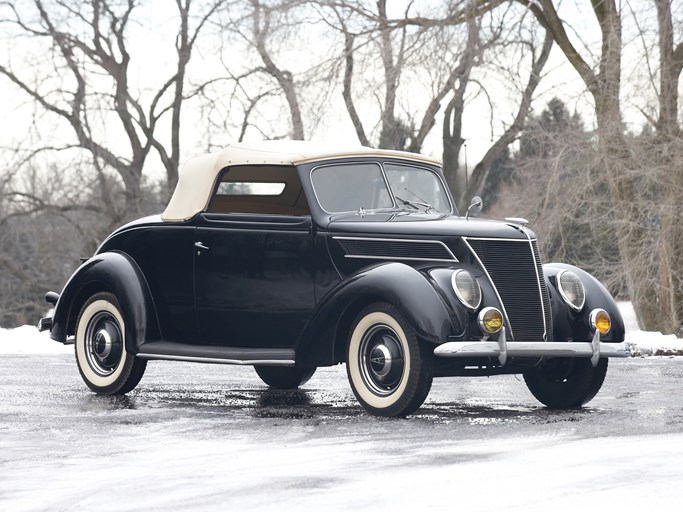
(267, 189)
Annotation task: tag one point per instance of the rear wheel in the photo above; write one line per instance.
(389, 370)
(284, 377)
(103, 362)
(566, 383)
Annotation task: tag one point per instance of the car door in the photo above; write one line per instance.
(254, 277)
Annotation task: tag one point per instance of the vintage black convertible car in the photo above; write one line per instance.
(289, 256)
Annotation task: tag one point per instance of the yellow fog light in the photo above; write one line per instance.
(601, 321)
(490, 320)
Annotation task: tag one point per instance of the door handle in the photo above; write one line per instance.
(200, 245)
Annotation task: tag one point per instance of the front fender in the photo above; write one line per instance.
(404, 287)
(117, 273)
(570, 325)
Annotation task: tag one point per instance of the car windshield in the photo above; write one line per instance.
(369, 186)
(417, 188)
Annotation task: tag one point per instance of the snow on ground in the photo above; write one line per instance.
(512, 474)
(27, 339)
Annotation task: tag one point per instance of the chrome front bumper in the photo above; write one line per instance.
(502, 349)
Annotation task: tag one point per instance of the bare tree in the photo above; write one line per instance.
(668, 149)
(557, 182)
(78, 170)
(261, 26)
(49, 218)
(478, 183)
(350, 39)
(452, 132)
(640, 182)
(40, 241)
(437, 54)
(85, 82)
(670, 67)
(255, 90)
(368, 30)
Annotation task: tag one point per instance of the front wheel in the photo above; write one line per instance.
(105, 365)
(389, 371)
(566, 383)
(284, 377)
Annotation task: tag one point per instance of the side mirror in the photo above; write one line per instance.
(475, 207)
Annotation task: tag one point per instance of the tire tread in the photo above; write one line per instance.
(582, 384)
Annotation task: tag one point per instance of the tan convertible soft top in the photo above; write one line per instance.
(198, 175)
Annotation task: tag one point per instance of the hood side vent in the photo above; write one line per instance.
(395, 249)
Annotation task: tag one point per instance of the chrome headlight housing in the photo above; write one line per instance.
(571, 289)
(466, 288)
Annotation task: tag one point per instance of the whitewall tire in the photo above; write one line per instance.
(103, 361)
(390, 372)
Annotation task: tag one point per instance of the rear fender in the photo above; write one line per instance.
(113, 272)
(324, 339)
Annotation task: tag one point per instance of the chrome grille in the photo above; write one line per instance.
(515, 269)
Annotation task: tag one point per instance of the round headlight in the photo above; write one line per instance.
(571, 289)
(601, 321)
(490, 320)
(466, 288)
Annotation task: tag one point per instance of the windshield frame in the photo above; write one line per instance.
(395, 206)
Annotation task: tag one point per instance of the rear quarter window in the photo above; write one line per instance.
(267, 189)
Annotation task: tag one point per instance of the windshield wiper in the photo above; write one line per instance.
(415, 204)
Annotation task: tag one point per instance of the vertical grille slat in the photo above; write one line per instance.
(544, 292)
(517, 273)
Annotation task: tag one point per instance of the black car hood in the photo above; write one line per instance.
(421, 224)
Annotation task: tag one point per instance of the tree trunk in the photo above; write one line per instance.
(452, 144)
(389, 133)
(648, 228)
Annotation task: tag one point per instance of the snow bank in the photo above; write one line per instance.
(27, 339)
(646, 343)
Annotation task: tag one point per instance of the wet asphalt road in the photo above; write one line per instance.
(195, 436)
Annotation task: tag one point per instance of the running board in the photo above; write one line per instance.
(171, 351)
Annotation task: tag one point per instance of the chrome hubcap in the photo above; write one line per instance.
(381, 360)
(103, 343)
